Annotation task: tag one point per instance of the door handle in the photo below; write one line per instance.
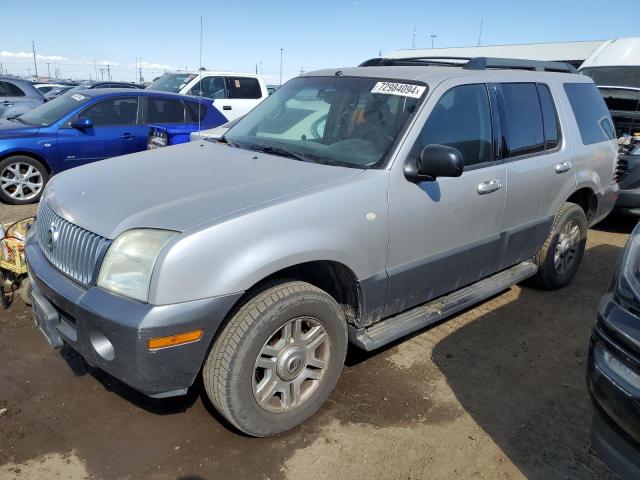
(127, 136)
(226, 107)
(563, 167)
(489, 186)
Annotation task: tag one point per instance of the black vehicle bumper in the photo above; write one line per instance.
(613, 377)
(111, 332)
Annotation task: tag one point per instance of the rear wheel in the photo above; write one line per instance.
(278, 359)
(559, 258)
(22, 180)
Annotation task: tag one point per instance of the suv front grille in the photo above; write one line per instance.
(73, 250)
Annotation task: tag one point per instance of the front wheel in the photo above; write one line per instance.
(277, 360)
(560, 256)
(22, 180)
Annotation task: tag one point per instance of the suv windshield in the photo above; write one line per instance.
(345, 121)
(628, 76)
(172, 82)
(52, 111)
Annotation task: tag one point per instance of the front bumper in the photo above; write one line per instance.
(111, 332)
(613, 366)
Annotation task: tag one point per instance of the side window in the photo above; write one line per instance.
(522, 125)
(549, 118)
(590, 110)
(114, 111)
(244, 87)
(8, 89)
(460, 119)
(210, 87)
(194, 110)
(160, 110)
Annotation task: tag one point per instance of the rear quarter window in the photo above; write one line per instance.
(590, 112)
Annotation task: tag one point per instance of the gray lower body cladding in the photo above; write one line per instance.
(111, 332)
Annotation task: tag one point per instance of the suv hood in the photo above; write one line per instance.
(179, 187)
(11, 129)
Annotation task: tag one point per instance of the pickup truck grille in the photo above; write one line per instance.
(73, 250)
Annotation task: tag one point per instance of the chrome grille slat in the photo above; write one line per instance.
(76, 252)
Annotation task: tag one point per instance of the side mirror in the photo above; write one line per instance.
(434, 161)
(82, 123)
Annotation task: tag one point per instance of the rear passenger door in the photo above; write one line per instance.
(13, 100)
(539, 166)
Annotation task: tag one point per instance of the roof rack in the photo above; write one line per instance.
(477, 63)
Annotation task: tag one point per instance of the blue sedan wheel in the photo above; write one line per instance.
(22, 180)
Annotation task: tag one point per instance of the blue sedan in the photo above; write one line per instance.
(84, 127)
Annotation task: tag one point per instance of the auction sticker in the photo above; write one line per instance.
(401, 89)
(78, 97)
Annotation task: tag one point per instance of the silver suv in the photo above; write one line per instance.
(355, 205)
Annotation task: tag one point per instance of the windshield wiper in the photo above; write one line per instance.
(17, 118)
(283, 152)
(224, 139)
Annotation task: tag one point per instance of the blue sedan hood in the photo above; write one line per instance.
(14, 129)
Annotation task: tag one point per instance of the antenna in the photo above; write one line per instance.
(480, 34)
(200, 80)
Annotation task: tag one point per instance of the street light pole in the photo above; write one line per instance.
(281, 51)
(433, 37)
(48, 71)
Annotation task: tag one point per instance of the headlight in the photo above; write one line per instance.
(628, 285)
(128, 264)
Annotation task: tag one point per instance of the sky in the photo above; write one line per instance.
(78, 38)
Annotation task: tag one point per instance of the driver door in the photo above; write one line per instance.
(445, 234)
(116, 131)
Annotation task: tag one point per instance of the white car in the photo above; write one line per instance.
(615, 63)
(233, 94)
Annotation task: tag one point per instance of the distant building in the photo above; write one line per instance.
(572, 52)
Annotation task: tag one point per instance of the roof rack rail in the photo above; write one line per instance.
(477, 63)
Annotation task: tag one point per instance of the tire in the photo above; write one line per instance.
(557, 260)
(25, 291)
(33, 177)
(233, 373)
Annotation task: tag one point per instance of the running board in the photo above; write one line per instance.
(398, 326)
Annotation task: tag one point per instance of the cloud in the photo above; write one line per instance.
(27, 56)
(155, 66)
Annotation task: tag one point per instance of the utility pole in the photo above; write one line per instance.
(281, 52)
(480, 34)
(256, 68)
(433, 37)
(413, 40)
(260, 68)
(108, 72)
(1, 71)
(140, 67)
(380, 53)
(29, 71)
(95, 67)
(48, 71)
(35, 65)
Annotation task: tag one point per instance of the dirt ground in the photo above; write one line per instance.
(497, 392)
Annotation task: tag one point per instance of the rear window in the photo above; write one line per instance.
(195, 110)
(8, 89)
(244, 87)
(590, 111)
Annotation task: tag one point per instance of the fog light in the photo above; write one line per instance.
(101, 345)
(174, 340)
(620, 369)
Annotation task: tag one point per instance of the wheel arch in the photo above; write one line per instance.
(28, 153)
(585, 197)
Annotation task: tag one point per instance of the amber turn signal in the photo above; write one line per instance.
(174, 340)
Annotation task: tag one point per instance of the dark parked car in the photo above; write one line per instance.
(54, 92)
(18, 96)
(92, 85)
(614, 367)
(86, 126)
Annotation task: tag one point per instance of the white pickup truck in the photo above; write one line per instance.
(233, 94)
